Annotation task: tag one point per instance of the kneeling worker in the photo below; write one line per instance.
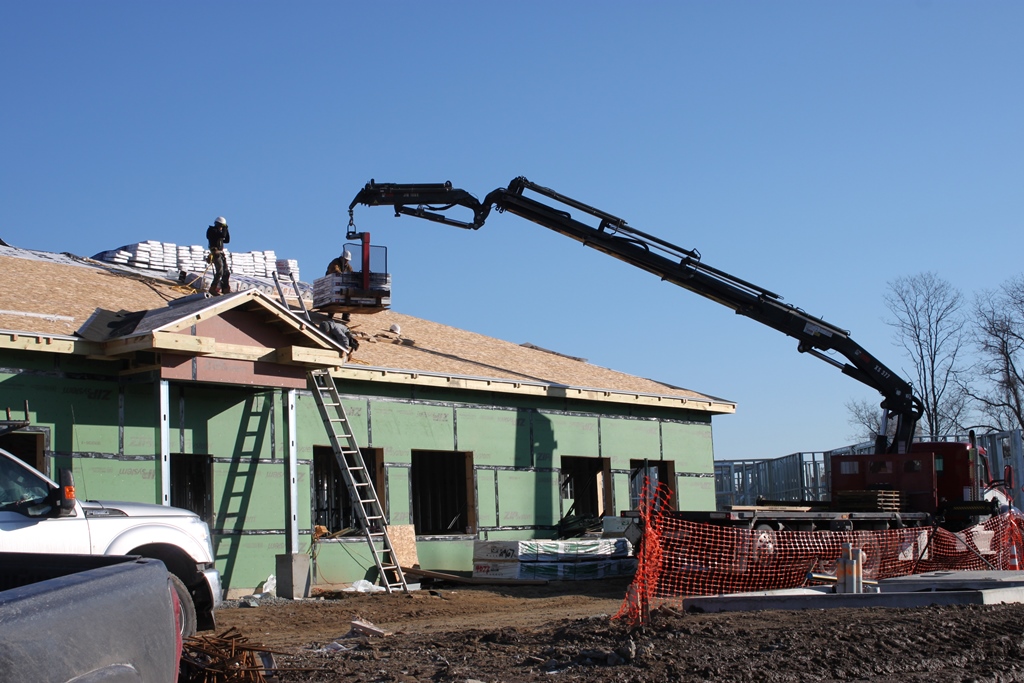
(339, 333)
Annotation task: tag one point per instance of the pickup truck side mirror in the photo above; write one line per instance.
(66, 494)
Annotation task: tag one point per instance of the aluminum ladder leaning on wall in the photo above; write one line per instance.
(365, 503)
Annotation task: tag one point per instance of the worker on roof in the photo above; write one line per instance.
(342, 264)
(217, 235)
(339, 332)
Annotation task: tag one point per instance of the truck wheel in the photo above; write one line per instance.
(187, 620)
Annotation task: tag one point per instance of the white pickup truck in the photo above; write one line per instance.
(39, 516)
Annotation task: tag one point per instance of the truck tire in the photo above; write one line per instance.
(187, 620)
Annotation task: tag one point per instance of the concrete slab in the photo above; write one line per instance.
(923, 590)
(958, 581)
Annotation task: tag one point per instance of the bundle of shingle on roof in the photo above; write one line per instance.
(165, 256)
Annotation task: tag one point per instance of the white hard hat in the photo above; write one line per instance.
(396, 329)
(221, 221)
(347, 255)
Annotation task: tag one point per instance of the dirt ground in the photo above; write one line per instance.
(564, 632)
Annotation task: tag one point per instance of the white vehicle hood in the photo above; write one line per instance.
(119, 508)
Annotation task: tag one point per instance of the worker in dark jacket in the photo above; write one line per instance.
(217, 235)
(342, 264)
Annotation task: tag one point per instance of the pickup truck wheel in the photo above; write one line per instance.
(187, 620)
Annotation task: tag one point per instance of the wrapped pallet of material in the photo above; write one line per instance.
(577, 559)
(347, 289)
(543, 550)
(589, 570)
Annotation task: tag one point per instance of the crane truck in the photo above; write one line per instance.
(904, 483)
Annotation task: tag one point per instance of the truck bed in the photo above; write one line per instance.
(88, 618)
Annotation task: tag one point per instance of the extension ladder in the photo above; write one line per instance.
(365, 503)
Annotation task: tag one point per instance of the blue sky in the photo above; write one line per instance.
(818, 149)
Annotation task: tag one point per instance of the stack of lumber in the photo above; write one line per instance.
(868, 501)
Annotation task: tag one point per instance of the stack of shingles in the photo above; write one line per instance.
(166, 256)
(149, 255)
(249, 270)
(191, 259)
(287, 267)
(120, 255)
(155, 255)
(253, 263)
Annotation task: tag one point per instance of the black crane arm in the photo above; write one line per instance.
(423, 201)
(680, 266)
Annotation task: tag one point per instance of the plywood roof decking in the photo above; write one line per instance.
(35, 288)
(69, 295)
(443, 349)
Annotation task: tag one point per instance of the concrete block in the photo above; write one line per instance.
(293, 578)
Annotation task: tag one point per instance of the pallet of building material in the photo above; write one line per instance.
(456, 578)
(346, 291)
(588, 570)
(544, 550)
(868, 501)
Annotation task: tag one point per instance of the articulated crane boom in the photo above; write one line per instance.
(677, 265)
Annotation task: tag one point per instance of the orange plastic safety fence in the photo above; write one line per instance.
(649, 555)
(677, 558)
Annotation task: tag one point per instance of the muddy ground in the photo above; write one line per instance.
(564, 632)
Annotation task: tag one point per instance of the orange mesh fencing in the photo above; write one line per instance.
(649, 555)
(677, 558)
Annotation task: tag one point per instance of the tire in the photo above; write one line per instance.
(187, 619)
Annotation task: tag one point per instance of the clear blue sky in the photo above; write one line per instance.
(819, 149)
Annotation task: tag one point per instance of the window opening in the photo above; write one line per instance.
(585, 484)
(27, 446)
(849, 467)
(332, 506)
(657, 471)
(443, 493)
(191, 486)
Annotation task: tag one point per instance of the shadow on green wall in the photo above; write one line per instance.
(539, 435)
(237, 491)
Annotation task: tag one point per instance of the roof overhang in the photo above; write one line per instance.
(16, 340)
(171, 330)
(531, 388)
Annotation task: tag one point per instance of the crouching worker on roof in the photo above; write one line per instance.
(340, 334)
(217, 235)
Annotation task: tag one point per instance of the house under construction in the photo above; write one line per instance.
(152, 395)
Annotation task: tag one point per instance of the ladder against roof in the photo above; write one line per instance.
(365, 503)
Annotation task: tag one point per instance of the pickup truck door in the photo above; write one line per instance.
(27, 519)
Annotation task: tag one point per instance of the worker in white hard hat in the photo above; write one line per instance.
(217, 235)
(342, 264)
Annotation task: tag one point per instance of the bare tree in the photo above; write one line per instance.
(929, 321)
(866, 418)
(999, 336)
